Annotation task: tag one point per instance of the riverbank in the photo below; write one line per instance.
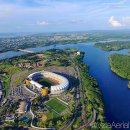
(113, 45)
(41, 40)
(93, 94)
(129, 84)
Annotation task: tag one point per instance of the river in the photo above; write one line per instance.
(115, 92)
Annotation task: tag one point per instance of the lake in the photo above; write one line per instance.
(116, 94)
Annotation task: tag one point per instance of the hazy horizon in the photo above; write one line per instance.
(71, 31)
(63, 16)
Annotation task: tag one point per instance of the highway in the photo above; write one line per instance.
(83, 96)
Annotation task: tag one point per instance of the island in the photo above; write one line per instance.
(114, 45)
(120, 64)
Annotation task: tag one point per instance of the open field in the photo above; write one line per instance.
(9, 70)
(56, 105)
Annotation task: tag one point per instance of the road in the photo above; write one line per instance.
(71, 121)
(79, 93)
(83, 96)
(81, 105)
(76, 102)
(90, 123)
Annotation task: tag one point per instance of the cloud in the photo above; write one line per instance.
(42, 23)
(114, 22)
(126, 20)
(62, 14)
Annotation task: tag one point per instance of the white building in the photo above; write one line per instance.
(78, 53)
(36, 84)
(63, 82)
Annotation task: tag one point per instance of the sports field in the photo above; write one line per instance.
(56, 105)
(46, 82)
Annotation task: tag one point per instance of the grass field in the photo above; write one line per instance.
(51, 115)
(56, 105)
(46, 82)
(9, 70)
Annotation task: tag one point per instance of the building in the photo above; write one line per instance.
(0, 94)
(1, 85)
(22, 107)
(36, 84)
(63, 82)
(10, 119)
(44, 91)
(40, 56)
(78, 53)
(1, 89)
(27, 82)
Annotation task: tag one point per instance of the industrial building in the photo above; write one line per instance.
(62, 85)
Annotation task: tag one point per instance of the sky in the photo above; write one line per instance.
(63, 15)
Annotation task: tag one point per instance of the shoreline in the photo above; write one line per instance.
(118, 74)
(86, 76)
(112, 69)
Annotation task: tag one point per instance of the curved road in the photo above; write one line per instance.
(77, 102)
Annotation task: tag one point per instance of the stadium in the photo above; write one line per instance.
(59, 85)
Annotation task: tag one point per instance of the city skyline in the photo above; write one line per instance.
(63, 16)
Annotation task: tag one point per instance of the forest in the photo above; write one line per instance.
(113, 46)
(120, 64)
